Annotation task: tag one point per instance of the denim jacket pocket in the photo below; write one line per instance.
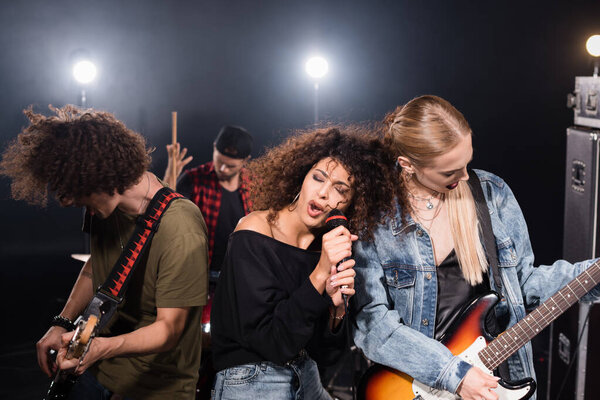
(241, 374)
(507, 255)
(507, 261)
(400, 282)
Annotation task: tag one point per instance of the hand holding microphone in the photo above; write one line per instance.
(337, 246)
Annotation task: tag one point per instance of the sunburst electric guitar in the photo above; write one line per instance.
(85, 331)
(468, 339)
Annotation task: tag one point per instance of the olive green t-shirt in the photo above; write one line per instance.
(171, 273)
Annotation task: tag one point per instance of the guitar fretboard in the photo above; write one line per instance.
(514, 338)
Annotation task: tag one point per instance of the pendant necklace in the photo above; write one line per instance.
(423, 221)
(119, 231)
(428, 202)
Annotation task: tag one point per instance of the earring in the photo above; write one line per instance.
(293, 204)
(407, 175)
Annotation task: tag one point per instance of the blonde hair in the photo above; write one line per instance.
(425, 128)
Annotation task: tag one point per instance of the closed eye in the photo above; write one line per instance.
(342, 190)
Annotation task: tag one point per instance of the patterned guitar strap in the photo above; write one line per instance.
(111, 293)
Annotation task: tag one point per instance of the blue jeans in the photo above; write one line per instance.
(87, 387)
(296, 380)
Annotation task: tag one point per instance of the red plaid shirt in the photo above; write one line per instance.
(206, 194)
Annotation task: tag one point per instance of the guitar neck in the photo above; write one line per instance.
(522, 332)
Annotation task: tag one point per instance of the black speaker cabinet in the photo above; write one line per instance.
(572, 368)
(580, 240)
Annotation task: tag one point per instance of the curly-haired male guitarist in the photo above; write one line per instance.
(151, 347)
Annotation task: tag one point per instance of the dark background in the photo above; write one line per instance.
(506, 65)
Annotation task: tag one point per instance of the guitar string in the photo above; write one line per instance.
(567, 303)
(518, 341)
(578, 293)
(559, 301)
(492, 354)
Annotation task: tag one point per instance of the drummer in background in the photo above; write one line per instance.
(220, 187)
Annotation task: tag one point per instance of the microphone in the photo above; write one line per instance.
(334, 219)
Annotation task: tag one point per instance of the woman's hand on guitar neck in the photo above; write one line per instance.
(477, 385)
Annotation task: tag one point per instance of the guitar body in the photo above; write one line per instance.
(61, 388)
(466, 337)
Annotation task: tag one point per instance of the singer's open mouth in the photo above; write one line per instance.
(314, 210)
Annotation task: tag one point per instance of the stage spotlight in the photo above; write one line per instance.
(84, 71)
(317, 67)
(593, 47)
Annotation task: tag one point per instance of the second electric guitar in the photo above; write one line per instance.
(468, 339)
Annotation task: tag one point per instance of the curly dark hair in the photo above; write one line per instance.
(277, 176)
(73, 153)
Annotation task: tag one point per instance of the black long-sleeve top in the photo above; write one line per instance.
(265, 307)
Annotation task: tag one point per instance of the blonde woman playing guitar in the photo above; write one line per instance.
(421, 271)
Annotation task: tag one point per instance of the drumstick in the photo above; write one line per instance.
(174, 143)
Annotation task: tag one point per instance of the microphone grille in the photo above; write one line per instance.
(336, 218)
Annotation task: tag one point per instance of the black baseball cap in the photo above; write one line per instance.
(234, 142)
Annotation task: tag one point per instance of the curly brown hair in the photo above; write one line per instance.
(277, 176)
(73, 153)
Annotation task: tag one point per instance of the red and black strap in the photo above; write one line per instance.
(111, 293)
(145, 228)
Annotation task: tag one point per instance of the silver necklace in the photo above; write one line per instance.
(416, 207)
(429, 203)
(431, 220)
(437, 207)
(119, 231)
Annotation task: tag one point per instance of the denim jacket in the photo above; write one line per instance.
(396, 291)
